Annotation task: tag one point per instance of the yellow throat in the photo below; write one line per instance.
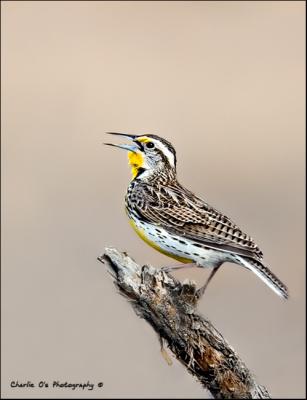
(136, 161)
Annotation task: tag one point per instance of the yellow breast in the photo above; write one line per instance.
(141, 233)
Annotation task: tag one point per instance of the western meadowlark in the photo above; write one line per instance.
(179, 224)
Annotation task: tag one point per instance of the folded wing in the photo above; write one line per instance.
(180, 212)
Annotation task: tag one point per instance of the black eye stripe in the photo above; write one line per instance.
(166, 143)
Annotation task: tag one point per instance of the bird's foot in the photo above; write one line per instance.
(201, 291)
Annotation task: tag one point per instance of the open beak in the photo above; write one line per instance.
(132, 137)
(133, 147)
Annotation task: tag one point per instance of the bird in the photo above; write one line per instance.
(179, 224)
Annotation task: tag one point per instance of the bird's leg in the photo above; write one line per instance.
(178, 266)
(201, 291)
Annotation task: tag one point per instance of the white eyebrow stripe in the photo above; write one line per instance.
(170, 156)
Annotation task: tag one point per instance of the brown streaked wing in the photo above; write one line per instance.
(182, 213)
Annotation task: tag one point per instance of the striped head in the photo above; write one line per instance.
(148, 155)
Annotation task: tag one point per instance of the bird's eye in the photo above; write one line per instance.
(150, 145)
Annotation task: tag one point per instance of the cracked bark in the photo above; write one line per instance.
(170, 308)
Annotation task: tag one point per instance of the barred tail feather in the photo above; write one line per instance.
(266, 275)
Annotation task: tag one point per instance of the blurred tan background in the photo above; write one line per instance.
(224, 82)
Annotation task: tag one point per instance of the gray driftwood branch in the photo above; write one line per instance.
(170, 308)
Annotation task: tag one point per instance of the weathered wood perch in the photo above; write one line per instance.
(170, 308)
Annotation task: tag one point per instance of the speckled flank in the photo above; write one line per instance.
(158, 242)
(177, 248)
